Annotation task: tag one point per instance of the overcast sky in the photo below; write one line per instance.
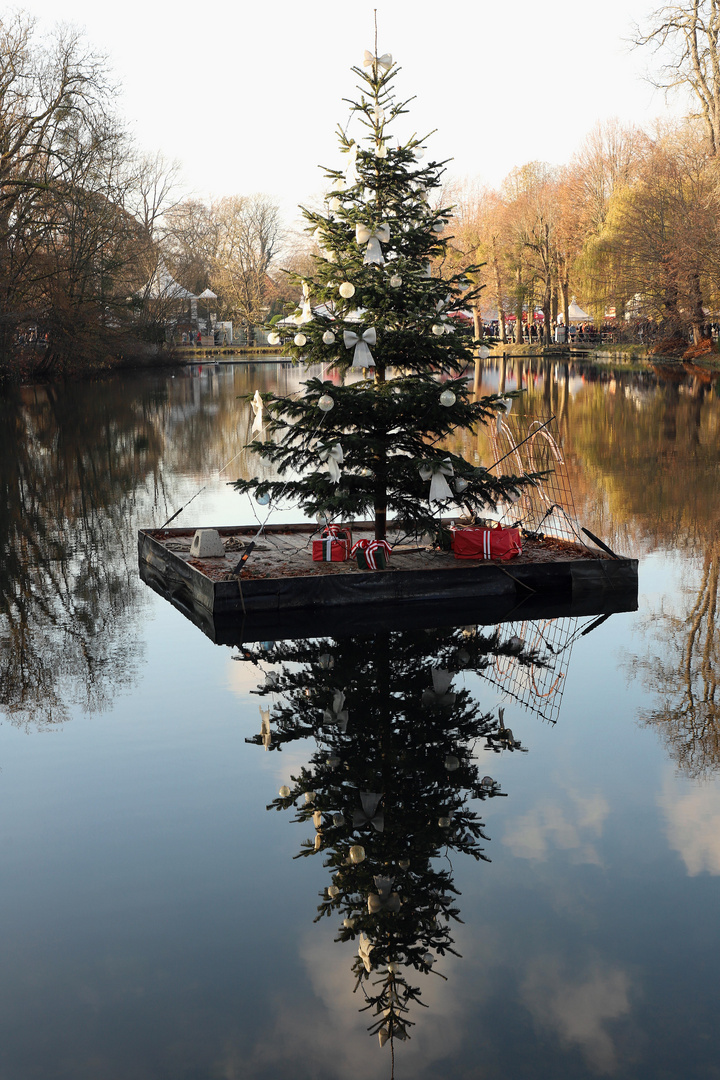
(246, 96)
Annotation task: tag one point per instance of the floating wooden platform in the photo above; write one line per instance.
(283, 593)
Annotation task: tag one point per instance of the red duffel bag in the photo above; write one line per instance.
(479, 543)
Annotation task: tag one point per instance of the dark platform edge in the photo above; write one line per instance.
(311, 606)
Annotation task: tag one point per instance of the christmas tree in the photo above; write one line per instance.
(377, 302)
(387, 789)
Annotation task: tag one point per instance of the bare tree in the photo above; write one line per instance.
(687, 37)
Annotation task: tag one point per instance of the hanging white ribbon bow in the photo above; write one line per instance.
(383, 62)
(257, 408)
(373, 238)
(369, 813)
(440, 694)
(362, 357)
(337, 714)
(364, 950)
(334, 458)
(265, 730)
(384, 899)
(351, 174)
(436, 472)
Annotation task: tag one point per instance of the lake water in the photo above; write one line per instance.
(154, 923)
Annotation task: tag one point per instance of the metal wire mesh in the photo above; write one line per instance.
(537, 686)
(533, 444)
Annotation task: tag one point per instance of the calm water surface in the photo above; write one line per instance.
(153, 922)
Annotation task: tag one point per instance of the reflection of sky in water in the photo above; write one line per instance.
(154, 924)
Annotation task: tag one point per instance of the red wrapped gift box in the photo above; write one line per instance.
(334, 544)
(479, 543)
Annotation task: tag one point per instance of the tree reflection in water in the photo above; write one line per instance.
(388, 788)
(73, 470)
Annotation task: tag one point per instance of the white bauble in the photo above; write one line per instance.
(326, 403)
(300, 339)
(328, 337)
(395, 281)
(447, 398)
(438, 330)
(347, 289)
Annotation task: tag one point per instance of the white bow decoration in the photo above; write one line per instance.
(369, 813)
(364, 950)
(384, 898)
(334, 458)
(257, 408)
(373, 238)
(351, 174)
(337, 714)
(362, 357)
(265, 730)
(440, 694)
(436, 472)
(383, 62)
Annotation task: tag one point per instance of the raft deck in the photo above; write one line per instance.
(281, 587)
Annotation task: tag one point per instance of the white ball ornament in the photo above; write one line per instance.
(326, 403)
(438, 330)
(452, 763)
(381, 151)
(333, 891)
(419, 153)
(273, 338)
(347, 289)
(439, 227)
(444, 822)
(393, 968)
(483, 352)
(338, 819)
(460, 485)
(328, 337)
(395, 281)
(404, 864)
(284, 791)
(300, 339)
(447, 398)
(263, 500)
(334, 205)
(357, 853)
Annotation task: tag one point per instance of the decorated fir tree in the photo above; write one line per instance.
(387, 788)
(378, 301)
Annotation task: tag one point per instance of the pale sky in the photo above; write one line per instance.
(247, 96)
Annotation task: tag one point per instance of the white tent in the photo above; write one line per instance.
(163, 286)
(576, 313)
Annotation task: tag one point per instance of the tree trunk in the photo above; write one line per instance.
(518, 308)
(498, 294)
(380, 470)
(701, 331)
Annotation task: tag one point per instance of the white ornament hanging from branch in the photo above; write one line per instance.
(333, 457)
(373, 238)
(362, 357)
(257, 407)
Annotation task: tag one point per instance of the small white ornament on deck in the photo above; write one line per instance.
(447, 398)
(395, 281)
(346, 289)
(328, 337)
(300, 339)
(284, 791)
(273, 338)
(206, 544)
(438, 330)
(326, 403)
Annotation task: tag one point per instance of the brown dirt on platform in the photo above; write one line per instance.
(280, 554)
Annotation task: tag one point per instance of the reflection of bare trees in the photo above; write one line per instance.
(74, 462)
(685, 676)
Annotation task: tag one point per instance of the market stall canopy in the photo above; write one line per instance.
(163, 286)
(576, 313)
(207, 294)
